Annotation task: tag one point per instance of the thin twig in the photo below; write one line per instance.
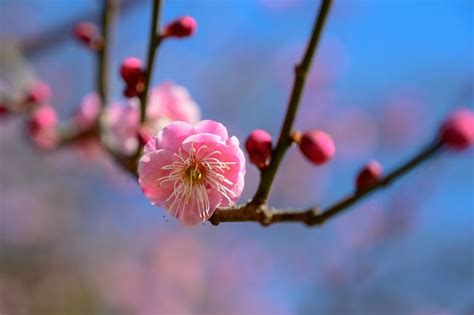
(284, 141)
(70, 132)
(153, 44)
(108, 11)
(55, 35)
(266, 216)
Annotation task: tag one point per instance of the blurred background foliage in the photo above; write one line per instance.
(78, 237)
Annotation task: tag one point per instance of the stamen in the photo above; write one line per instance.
(190, 175)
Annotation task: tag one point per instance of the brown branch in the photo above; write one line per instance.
(153, 44)
(257, 209)
(109, 9)
(70, 132)
(266, 216)
(56, 35)
(284, 141)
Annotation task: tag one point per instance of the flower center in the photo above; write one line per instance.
(192, 176)
(194, 173)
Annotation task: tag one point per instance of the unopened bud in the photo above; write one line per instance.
(317, 146)
(131, 70)
(181, 27)
(259, 147)
(369, 175)
(457, 132)
(38, 93)
(88, 34)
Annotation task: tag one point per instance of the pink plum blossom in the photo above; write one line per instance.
(122, 123)
(167, 102)
(88, 111)
(192, 170)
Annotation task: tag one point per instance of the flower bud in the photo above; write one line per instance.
(133, 90)
(457, 132)
(87, 33)
(43, 118)
(88, 111)
(38, 93)
(369, 175)
(42, 127)
(182, 27)
(317, 146)
(131, 70)
(259, 147)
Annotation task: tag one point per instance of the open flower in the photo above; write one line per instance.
(192, 170)
(88, 111)
(166, 103)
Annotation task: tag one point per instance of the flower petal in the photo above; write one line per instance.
(172, 136)
(213, 127)
(150, 170)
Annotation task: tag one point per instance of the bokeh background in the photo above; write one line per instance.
(78, 237)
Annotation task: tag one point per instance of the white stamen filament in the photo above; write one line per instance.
(190, 174)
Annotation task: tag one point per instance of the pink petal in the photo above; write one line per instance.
(198, 140)
(172, 136)
(190, 215)
(150, 170)
(211, 126)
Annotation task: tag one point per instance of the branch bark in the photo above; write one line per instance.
(108, 11)
(266, 215)
(153, 44)
(284, 140)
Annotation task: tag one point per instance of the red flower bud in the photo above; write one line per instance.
(317, 146)
(182, 27)
(38, 93)
(42, 119)
(133, 90)
(88, 34)
(259, 147)
(369, 175)
(131, 70)
(457, 132)
(42, 127)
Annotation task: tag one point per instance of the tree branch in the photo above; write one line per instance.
(70, 132)
(108, 11)
(153, 44)
(266, 216)
(284, 140)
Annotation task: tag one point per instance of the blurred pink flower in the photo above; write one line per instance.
(192, 170)
(167, 102)
(122, 124)
(88, 111)
(42, 127)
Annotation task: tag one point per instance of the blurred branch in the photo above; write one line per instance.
(70, 132)
(153, 44)
(60, 33)
(284, 141)
(108, 12)
(266, 215)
